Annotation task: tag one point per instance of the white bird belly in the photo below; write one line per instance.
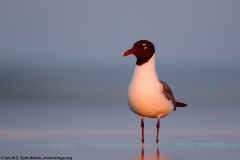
(149, 101)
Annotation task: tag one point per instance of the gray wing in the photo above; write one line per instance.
(168, 93)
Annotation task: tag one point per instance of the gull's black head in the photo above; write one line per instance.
(143, 50)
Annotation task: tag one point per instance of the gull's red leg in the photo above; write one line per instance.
(142, 125)
(158, 126)
(142, 154)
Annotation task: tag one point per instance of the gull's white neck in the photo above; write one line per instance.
(146, 71)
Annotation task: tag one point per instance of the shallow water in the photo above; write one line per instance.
(77, 118)
(50, 131)
(175, 149)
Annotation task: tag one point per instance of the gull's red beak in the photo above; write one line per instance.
(128, 52)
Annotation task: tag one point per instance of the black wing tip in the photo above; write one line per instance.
(180, 104)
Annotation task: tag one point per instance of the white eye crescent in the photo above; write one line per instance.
(144, 46)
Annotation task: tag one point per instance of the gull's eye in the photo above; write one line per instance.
(144, 46)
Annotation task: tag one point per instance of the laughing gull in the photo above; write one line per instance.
(147, 95)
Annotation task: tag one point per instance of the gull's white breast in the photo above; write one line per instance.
(145, 96)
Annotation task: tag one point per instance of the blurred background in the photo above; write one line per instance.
(62, 74)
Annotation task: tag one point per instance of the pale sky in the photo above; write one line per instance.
(83, 33)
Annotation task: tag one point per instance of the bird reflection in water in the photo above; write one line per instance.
(152, 156)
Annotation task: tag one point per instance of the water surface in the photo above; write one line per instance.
(169, 149)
